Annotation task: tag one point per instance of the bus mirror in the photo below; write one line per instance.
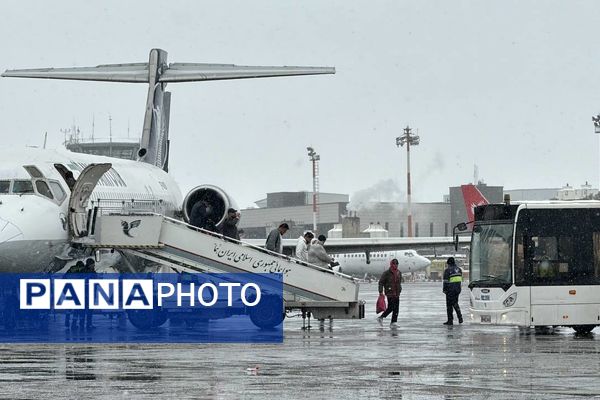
(461, 227)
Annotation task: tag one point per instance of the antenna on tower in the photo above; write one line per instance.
(475, 174)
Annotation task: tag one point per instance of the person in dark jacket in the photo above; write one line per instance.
(90, 268)
(451, 288)
(201, 216)
(274, 242)
(198, 214)
(70, 180)
(229, 228)
(390, 284)
(73, 316)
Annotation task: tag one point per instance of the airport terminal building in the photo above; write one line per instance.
(429, 219)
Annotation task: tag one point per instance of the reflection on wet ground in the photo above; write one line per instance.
(421, 359)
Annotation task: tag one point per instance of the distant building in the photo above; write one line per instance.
(570, 193)
(565, 193)
(532, 194)
(429, 219)
(296, 209)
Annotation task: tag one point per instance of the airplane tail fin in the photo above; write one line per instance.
(472, 198)
(154, 144)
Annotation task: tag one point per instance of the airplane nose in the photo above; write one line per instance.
(426, 262)
(9, 231)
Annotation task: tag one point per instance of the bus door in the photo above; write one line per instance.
(562, 278)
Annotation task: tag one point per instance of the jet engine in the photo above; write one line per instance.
(218, 200)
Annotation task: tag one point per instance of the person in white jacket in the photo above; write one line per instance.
(303, 245)
(317, 254)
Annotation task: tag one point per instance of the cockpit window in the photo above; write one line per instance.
(33, 171)
(43, 189)
(22, 187)
(59, 192)
(4, 187)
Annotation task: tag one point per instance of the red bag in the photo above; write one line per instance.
(381, 306)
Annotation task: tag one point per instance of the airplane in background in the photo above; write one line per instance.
(375, 263)
(46, 196)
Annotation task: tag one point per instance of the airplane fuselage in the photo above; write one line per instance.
(34, 200)
(356, 263)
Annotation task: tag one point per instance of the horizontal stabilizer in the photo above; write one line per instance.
(177, 72)
(110, 73)
(157, 73)
(187, 72)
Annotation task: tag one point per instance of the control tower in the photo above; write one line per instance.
(120, 148)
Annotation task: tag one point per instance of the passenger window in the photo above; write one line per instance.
(554, 258)
(43, 189)
(22, 187)
(4, 187)
(59, 193)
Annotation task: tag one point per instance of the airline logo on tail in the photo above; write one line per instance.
(473, 198)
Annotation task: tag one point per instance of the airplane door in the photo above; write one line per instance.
(80, 196)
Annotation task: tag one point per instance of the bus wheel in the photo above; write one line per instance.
(268, 313)
(146, 319)
(191, 322)
(583, 329)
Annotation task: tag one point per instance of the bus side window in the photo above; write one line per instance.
(596, 240)
(521, 243)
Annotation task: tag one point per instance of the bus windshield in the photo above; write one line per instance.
(491, 248)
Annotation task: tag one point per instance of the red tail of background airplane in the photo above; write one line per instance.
(473, 198)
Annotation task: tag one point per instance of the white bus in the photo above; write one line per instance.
(536, 264)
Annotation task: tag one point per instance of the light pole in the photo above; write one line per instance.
(596, 121)
(314, 157)
(409, 139)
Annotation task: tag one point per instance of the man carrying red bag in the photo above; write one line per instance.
(390, 283)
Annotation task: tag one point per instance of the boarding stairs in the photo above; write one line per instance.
(184, 248)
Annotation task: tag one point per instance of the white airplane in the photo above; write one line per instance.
(42, 208)
(358, 264)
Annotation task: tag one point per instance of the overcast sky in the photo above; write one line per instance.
(509, 86)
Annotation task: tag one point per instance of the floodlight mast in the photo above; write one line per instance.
(314, 158)
(409, 139)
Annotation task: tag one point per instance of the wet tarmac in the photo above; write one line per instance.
(421, 359)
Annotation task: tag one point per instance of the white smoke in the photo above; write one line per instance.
(386, 190)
